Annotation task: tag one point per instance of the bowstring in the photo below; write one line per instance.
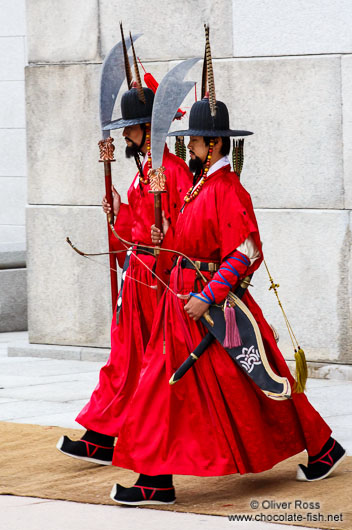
(129, 243)
(88, 257)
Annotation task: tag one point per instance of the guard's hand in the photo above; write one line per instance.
(116, 202)
(156, 235)
(195, 308)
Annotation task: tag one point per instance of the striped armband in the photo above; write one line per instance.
(231, 269)
(202, 297)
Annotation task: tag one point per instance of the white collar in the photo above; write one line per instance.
(224, 161)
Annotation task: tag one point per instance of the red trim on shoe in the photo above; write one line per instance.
(154, 490)
(331, 463)
(96, 447)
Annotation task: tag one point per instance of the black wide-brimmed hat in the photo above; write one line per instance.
(202, 123)
(137, 102)
(209, 117)
(133, 110)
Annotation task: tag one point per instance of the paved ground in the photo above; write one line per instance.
(52, 392)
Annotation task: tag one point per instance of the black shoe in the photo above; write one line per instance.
(85, 450)
(142, 495)
(323, 464)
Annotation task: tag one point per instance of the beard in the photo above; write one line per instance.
(132, 151)
(195, 165)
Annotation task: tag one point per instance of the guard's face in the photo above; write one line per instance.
(197, 148)
(133, 135)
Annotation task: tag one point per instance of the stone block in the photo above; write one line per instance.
(62, 32)
(13, 195)
(293, 106)
(12, 114)
(13, 18)
(290, 104)
(307, 254)
(12, 255)
(12, 153)
(63, 133)
(13, 300)
(12, 59)
(10, 234)
(272, 27)
(346, 70)
(68, 295)
(171, 30)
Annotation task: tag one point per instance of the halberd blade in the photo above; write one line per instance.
(112, 77)
(168, 98)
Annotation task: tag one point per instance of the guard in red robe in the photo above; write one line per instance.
(216, 420)
(136, 304)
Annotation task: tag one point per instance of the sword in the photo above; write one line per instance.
(168, 98)
(112, 77)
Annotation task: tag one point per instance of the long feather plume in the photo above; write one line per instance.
(141, 96)
(212, 99)
(126, 59)
(237, 156)
(204, 75)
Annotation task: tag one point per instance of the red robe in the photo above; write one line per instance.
(107, 408)
(215, 421)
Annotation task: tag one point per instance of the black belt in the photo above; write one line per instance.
(144, 250)
(202, 265)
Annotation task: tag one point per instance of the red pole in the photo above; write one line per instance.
(110, 219)
(158, 224)
(107, 156)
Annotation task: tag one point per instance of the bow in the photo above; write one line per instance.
(127, 244)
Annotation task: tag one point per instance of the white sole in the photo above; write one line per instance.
(139, 503)
(301, 476)
(84, 458)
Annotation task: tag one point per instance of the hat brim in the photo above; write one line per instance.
(212, 133)
(120, 123)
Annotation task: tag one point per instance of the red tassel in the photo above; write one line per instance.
(151, 82)
(232, 335)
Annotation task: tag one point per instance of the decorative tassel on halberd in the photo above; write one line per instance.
(149, 80)
(180, 148)
(237, 156)
(152, 83)
(232, 334)
(300, 358)
(301, 370)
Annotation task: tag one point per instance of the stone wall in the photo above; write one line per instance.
(13, 181)
(285, 71)
(12, 122)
